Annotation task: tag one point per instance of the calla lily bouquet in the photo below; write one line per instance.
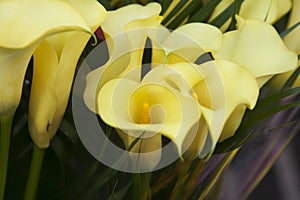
(144, 99)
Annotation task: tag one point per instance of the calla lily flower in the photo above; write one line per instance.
(25, 24)
(292, 41)
(198, 102)
(186, 43)
(130, 18)
(266, 10)
(149, 115)
(55, 60)
(221, 98)
(126, 33)
(257, 46)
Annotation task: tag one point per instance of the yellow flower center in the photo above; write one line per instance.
(195, 96)
(145, 118)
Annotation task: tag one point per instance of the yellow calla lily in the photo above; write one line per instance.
(25, 25)
(266, 10)
(126, 33)
(222, 99)
(130, 18)
(257, 46)
(149, 114)
(292, 41)
(55, 61)
(186, 43)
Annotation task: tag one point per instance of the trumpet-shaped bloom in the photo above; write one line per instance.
(55, 60)
(257, 46)
(148, 114)
(126, 32)
(198, 102)
(222, 98)
(186, 43)
(266, 10)
(25, 24)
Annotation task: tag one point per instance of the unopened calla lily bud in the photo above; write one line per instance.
(54, 65)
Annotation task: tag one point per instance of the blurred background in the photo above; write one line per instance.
(282, 182)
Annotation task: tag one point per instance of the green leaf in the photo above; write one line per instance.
(127, 2)
(140, 186)
(102, 179)
(119, 195)
(204, 12)
(287, 31)
(230, 11)
(291, 79)
(165, 5)
(108, 174)
(264, 102)
(211, 178)
(174, 11)
(194, 5)
(69, 131)
(236, 10)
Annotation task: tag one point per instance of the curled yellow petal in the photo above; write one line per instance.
(135, 19)
(31, 21)
(186, 43)
(257, 46)
(26, 24)
(171, 114)
(231, 91)
(93, 13)
(12, 71)
(218, 94)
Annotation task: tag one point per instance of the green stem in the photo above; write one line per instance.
(34, 173)
(141, 186)
(5, 130)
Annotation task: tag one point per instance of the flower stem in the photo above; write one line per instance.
(141, 186)
(5, 130)
(34, 173)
